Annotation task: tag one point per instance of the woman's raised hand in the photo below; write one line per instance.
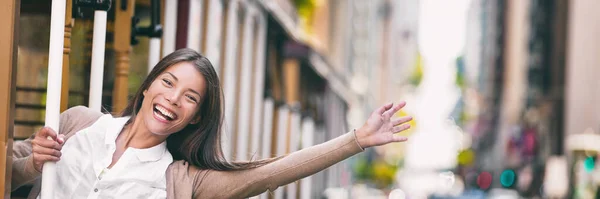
(44, 149)
(381, 129)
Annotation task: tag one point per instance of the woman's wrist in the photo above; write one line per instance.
(361, 137)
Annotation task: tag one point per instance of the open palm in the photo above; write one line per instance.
(381, 129)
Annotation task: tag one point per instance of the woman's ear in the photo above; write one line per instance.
(144, 93)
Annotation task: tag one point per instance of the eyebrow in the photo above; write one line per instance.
(172, 76)
(189, 89)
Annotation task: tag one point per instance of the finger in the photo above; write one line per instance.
(401, 120)
(46, 143)
(383, 108)
(46, 151)
(398, 129)
(390, 112)
(47, 132)
(397, 138)
(60, 139)
(41, 158)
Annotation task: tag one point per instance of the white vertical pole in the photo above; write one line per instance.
(308, 130)
(243, 129)
(194, 36)
(97, 71)
(153, 53)
(267, 132)
(213, 33)
(230, 73)
(259, 83)
(296, 120)
(170, 30)
(282, 124)
(55, 57)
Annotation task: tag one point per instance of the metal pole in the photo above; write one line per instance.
(55, 51)
(98, 48)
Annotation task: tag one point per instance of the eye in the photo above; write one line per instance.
(192, 98)
(167, 82)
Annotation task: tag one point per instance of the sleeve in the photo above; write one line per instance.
(70, 122)
(294, 166)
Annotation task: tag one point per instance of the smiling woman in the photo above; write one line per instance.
(167, 143)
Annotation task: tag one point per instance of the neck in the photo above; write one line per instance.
(137, 135)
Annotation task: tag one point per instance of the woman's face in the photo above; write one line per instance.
(173, 99)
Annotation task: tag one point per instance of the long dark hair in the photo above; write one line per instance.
(199, 143)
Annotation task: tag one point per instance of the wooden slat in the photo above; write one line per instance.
(291, 76)
(9, 18)
(122, 45)
(69, 22)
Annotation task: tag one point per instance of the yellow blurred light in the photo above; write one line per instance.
(466, 157)
(413, 123)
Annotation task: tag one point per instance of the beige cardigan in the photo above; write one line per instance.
(187, 181)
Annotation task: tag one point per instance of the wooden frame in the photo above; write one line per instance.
(69, 22)
(9, 16)
(122, 46)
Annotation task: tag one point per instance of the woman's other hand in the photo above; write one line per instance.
(381, 129)
(45, 149)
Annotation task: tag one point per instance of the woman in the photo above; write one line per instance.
(176, 115)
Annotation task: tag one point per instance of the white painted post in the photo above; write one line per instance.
(282, 124)
(97, 71)
(194, 36)
(295, 124)
(267, 134)
(230, 73)
(170, 31)
(308, 132)
(259, 83)
(153, 53)
(55, 58)
(213, 33)
(243, 129)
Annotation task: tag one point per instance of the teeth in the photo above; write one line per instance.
(161, 116)
(165, 112)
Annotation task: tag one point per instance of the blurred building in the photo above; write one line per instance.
(517, 80)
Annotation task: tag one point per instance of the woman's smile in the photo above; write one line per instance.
(163, 114)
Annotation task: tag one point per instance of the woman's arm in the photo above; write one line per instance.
(378, 130)
(71, 121)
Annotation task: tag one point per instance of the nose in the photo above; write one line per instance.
(173, 98)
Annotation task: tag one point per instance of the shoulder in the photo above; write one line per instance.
(77, 118)
(184, 169)
(183, 179)
(82, 112)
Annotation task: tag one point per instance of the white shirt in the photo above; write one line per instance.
(82, 171)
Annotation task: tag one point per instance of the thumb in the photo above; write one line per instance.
(61, 139)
